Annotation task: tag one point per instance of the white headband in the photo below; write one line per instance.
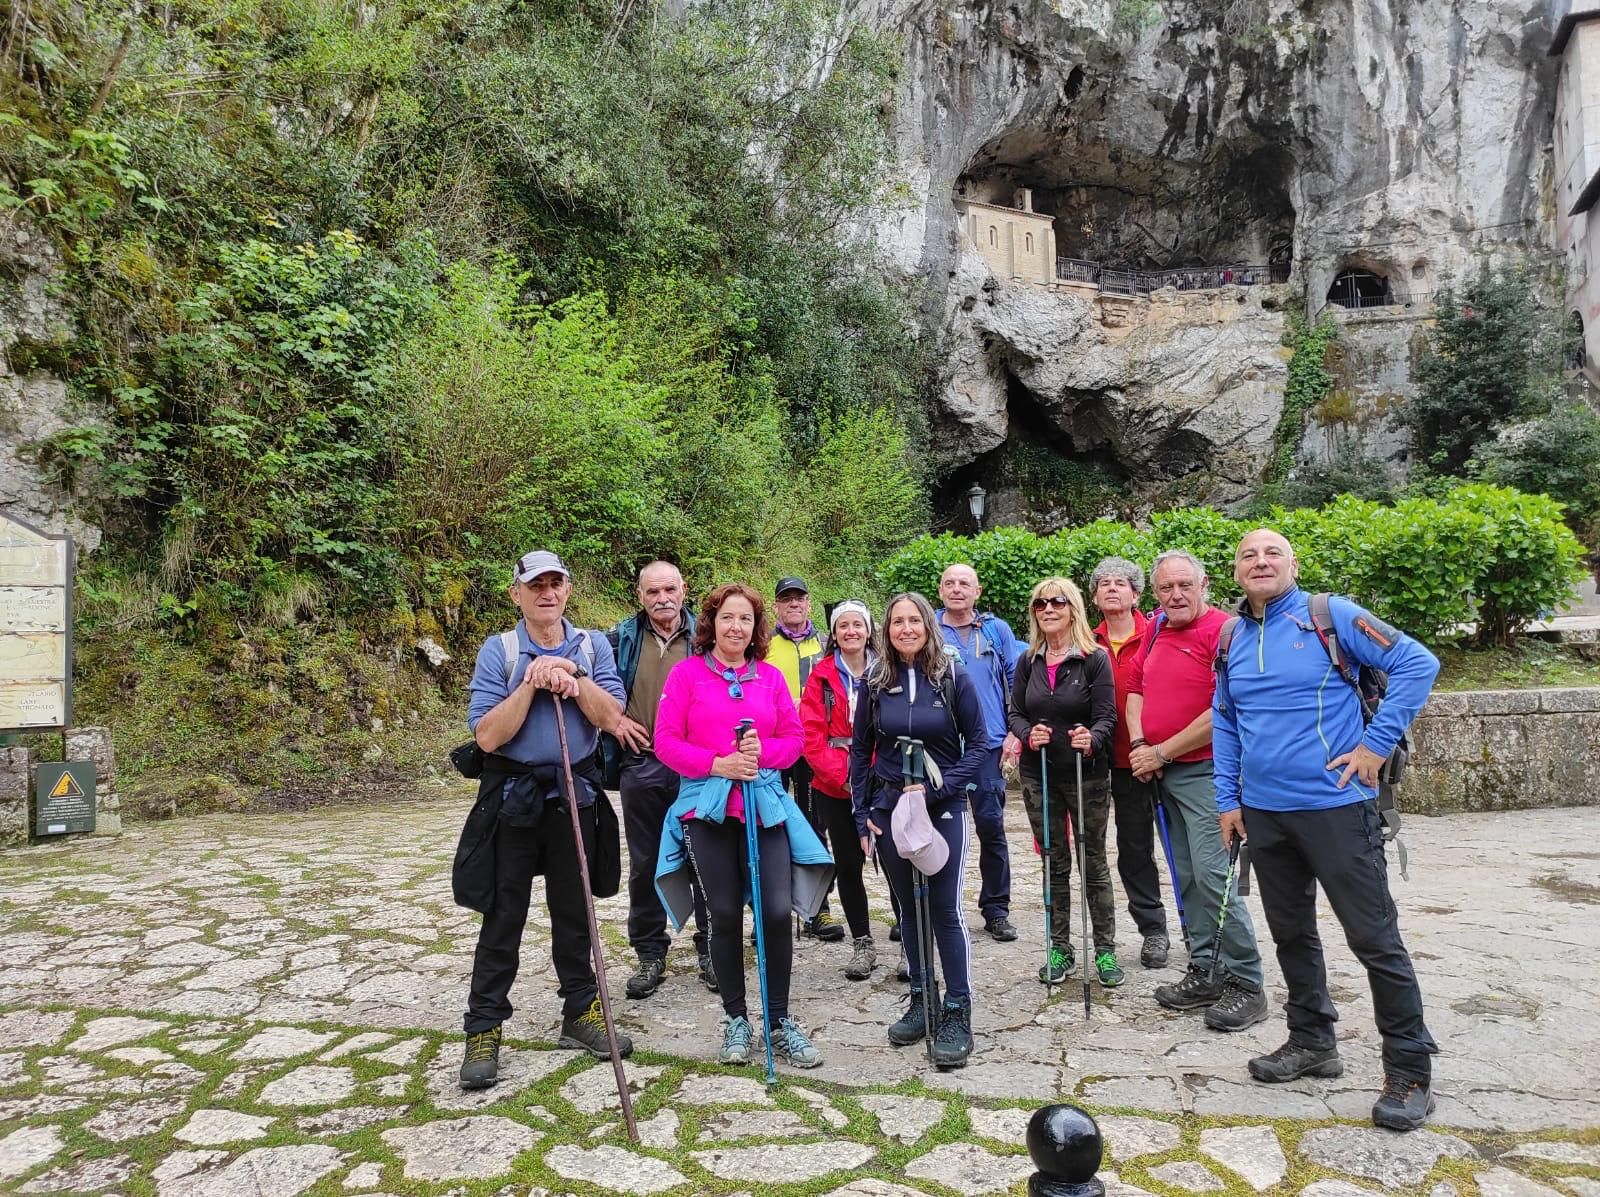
(851, 607)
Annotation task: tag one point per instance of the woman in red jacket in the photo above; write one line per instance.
(827, 717)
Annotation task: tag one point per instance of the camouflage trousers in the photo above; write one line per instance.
(1063, 849)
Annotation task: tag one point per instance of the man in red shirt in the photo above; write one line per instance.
(1169, 736)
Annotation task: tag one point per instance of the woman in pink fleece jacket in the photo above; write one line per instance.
(705, 697)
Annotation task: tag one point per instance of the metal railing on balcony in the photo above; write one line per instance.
(1188, 278)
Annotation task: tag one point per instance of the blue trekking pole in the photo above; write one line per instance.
(753, 850)
(1172, 867)
(1044, 798)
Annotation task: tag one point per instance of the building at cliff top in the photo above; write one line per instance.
(1576, 45)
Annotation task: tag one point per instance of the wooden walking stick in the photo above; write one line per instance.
(594, 926)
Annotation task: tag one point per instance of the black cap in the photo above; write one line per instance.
(787, 584)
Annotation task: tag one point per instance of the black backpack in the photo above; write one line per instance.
(1370, 685)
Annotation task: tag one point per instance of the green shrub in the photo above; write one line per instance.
(1348, 472)
(1480, 554)
(1557, 455)
(1534, 559)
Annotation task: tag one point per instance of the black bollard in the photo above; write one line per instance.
(1067, 1148)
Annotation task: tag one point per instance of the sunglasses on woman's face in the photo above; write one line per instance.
(1057, 601)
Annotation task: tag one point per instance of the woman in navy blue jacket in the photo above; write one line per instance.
(916, 690)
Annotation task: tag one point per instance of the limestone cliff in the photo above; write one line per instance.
(34, 404)
(1399, 137)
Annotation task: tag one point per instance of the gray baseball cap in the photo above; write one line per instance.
(540, 561)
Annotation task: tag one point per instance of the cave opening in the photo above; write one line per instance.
(1123, 210)
(1043, 476)
(1356, 288)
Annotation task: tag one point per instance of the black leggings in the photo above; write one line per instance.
(840, 816)
(719, 856)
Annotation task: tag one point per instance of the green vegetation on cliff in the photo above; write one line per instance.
(367, 300)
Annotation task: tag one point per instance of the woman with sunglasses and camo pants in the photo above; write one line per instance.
(705, 697)
(1064, 703)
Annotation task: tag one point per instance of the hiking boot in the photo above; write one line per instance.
(737, 1036)
(863, 960)
(480, 1066)
(913, 1024)
(648, 979)
(1238, 1007)
(708, 972)
(588, 1031)
(1057, 968)
(1291, 1061)
(1001, 929)
(903, 973)
(1403, 1105)
(1111, 975)
(1194, 991)
(1154, 952)
(952, 1043)
(894, 932)
(824, 927)
(789, 1042)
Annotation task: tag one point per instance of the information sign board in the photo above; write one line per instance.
(35, 628)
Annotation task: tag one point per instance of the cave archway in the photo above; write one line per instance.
(1358, 288)
(1132, 210)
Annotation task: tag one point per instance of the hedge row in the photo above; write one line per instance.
(1486, 555)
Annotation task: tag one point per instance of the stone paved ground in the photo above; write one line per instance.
(267, 1006)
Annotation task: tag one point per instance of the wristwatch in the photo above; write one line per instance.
(580, 672)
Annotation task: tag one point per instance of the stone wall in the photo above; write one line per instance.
(1505, 750)
(17, 769)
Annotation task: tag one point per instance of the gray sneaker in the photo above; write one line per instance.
(737, 1036)
(863, 961)
(1153, 953)
(790, 1043)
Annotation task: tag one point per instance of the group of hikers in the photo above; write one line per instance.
(762, 762)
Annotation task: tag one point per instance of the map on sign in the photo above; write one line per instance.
(35, 628)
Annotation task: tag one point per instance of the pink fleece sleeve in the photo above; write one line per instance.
(782, 748)
(672, 743)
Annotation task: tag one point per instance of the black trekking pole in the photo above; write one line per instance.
(1222, 908)
(594, 926)
(1083, 880)
(913, 772)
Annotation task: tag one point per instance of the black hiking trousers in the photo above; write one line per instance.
(1341, 849)
(519, 853)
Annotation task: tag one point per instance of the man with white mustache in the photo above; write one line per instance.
(648, 645)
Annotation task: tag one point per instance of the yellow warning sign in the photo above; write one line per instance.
(67, 787)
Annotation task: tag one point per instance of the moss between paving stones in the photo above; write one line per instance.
(414, 1108)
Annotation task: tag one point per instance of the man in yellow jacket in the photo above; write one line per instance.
(797, 646)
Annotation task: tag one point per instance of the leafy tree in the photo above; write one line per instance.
(1493, 354)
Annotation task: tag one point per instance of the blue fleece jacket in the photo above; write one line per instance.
(988, 651)
(1282, 711)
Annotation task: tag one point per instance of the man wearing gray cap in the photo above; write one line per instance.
(513, 718)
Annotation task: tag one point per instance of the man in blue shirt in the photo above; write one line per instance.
(988, 651)
(513, 718)
(1297, 775)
